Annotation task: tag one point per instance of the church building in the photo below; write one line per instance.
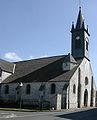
(63, 82)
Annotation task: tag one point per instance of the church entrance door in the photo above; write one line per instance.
(86, 98)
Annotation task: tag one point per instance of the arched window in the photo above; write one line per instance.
(86, 80)
(53, 88)
(74, 89)
(86, 98)
(28, 89)
(6, 89)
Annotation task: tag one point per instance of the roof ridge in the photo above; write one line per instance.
(40, 58)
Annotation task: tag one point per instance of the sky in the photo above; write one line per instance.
(40, 28)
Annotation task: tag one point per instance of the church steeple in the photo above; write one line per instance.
(80, 38)
(79, 20)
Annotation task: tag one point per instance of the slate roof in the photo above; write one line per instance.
(6, 66)
(41, 70)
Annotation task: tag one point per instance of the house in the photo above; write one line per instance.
(64, 81)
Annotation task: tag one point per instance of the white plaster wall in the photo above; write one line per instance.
(4, 75)
(94, 96)
(86, 71)
(73, 96)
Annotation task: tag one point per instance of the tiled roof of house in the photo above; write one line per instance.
(41, 70)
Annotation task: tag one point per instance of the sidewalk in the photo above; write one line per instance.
(32, 110)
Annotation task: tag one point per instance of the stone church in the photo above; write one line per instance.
(64, 81)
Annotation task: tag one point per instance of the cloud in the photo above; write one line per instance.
(12, 56)
(44, 56)
(36, 57)
(31, 57)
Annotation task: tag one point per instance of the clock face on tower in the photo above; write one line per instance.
(77, 42)
(77, 37)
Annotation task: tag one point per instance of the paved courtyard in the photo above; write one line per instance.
(83, 114)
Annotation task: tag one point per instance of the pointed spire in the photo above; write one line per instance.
(79, 20)
(83, 25)
(72, 26)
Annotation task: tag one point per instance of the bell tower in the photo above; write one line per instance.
(80, 38)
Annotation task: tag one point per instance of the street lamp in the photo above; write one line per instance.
(20, 85)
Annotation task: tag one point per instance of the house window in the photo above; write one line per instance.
(86, 81)
(6, 89)
(74, 89)
(28, 89)
(53, 88)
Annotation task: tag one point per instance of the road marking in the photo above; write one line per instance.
(10, 116)
(7, 115)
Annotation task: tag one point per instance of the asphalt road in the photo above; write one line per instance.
(83, 114)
